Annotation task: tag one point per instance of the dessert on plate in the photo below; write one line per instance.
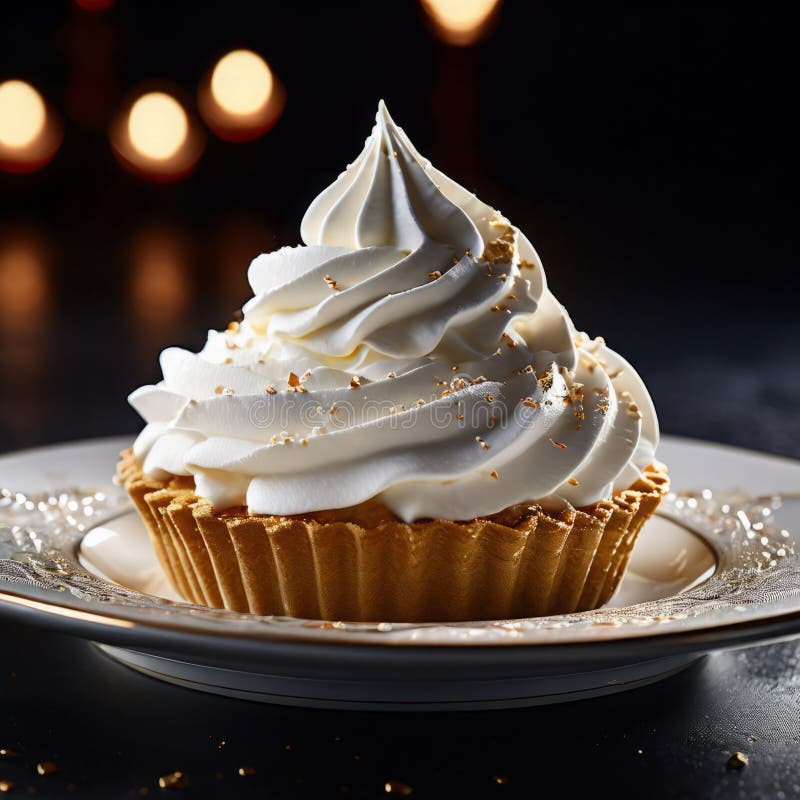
(405, 425)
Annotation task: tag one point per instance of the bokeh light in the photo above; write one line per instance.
(27, 342)
(461, 22)
(160, 291)
(22, 113)
(241, 82)
(155, 136)
(29, 132)
(25, 290)
(157, 125)
(240, 99)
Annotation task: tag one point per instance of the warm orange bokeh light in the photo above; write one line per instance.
(22, 114)
(241, 82)
(460, 22)
(29, 133)
(155, 137)
(241, 99)
(24, 281)
(159, 285)
(157, 125)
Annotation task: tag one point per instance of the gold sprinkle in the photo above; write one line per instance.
(454, 368)
(494, 475)
(355, 382)
(526, 401)
(490, 398)
(332, 409)
(46, 767)
(293, 380)
(174, 780)
(304, 442)
(234, 326)
(502, 248)
(738, 760)
(246, 772)
(459, 416)
(434, 275)
(332, 284)
(228, 360)
(502, 780)
(559, 445)
(527, 265)
(615, 374)
(219, 389)
(573, 482)
(483, 444)
(499, 307)
(396, 787)
(271, 390)
(6, 787)
(508, 340)
(511, 297)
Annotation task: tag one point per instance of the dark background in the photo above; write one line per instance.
(646, 152)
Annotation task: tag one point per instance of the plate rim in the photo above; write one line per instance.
(49, 612)
(249, 647)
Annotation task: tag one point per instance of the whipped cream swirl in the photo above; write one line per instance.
(411, 352)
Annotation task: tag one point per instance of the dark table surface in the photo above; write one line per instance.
(112, 733)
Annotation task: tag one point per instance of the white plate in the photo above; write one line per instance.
(667, 613)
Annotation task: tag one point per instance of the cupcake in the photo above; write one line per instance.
(405, 425)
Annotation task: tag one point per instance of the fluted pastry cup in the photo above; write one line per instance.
(364, 564)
